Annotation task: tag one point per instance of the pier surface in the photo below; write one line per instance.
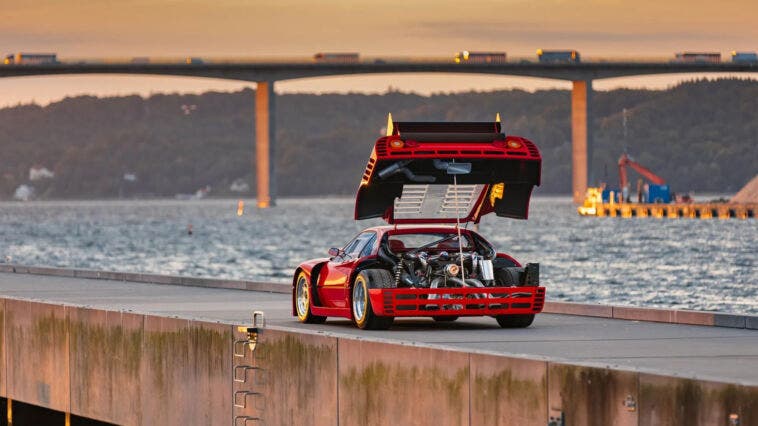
(712, 353)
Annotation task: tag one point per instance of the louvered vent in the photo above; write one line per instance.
(436, 201)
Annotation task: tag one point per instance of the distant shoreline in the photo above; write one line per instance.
(251, 201)
(698, 136)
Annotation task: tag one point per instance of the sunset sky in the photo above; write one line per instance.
(300, 28)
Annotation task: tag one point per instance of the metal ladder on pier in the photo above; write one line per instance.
(247, 374)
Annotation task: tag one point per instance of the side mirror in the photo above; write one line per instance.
(334, 252)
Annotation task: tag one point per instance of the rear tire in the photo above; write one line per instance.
(508, 277)
(363, 313)
(515, 321)
(303, 301)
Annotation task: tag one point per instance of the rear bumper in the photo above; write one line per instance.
(488, 301)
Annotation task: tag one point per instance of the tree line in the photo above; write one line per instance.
(700, 136)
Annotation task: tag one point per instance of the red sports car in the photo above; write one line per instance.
(429, 181)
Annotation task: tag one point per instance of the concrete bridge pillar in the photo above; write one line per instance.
(581, 137)
(264, 143)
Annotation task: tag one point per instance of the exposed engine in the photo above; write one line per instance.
(423, 268)
(443, 269)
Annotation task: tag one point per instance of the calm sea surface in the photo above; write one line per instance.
(689, 264)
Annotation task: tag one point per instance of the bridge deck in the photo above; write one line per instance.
(721, 354)
(278, 71)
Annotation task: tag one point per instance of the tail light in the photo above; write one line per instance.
(397, 143)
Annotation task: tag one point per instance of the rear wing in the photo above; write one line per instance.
(448, 131)
(405, 175)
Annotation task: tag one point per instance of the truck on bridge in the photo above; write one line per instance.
(745, 57)
(30, 58)
(547, 56)
(336, 58)
(480, 57)
(698, 57)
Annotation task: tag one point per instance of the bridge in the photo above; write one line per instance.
(266, 74)
(132, 348)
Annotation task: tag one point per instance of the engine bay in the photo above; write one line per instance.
(450, 260)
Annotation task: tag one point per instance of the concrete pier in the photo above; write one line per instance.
(265, 142)
(141, 353)
(581, 137)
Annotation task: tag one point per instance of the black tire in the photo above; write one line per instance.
(443, 318)
(515, 321)
(363, 313)
(302, 294)
(508, 277)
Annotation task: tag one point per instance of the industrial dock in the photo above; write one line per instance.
(654, 198)
(671, 211)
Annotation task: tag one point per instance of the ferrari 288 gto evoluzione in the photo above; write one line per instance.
(429, 181)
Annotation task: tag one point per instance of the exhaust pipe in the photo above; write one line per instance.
(401, 167)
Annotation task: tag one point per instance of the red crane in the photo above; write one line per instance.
(624, 161)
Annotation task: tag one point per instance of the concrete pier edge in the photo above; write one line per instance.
(632, 313)
(173, 354)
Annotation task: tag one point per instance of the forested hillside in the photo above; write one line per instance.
(700, 136)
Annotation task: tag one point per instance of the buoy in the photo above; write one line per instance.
(240, 208)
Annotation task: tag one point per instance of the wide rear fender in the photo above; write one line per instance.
(367, 262)
(311, 269)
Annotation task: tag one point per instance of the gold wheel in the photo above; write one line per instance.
(363, 313)
(360, 301)
(302, 298)
(303, 301)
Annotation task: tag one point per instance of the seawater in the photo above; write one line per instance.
(677, 263)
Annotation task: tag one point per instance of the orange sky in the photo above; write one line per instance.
(299, 28)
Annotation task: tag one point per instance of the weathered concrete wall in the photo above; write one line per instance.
(37, 353)
(187, 368)
(106, 348)
(297, 379)
(130, 369)
(139, 369)
(117, 367)
(409, 385)
(592, 396)
(675, 401)
(508, 391)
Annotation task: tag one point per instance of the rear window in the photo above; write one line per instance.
(438, 241)
(358, 245)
